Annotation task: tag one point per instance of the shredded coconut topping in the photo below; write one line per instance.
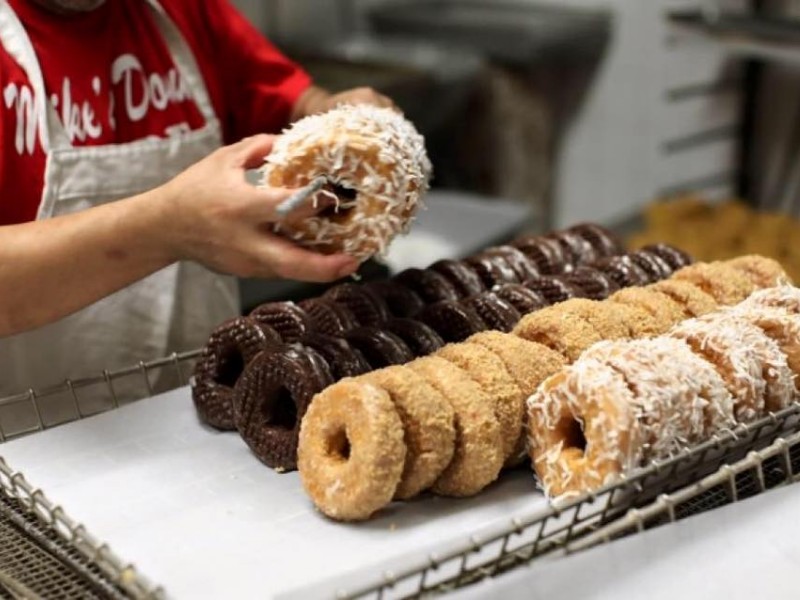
(372, 151)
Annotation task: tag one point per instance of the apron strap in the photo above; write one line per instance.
(52, 134)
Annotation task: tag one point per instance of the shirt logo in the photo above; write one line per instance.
(139, 93)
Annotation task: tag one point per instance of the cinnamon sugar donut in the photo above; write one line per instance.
(606, 317)
(566, 333)
(351, 451)
(639, 322)
(477, 458)
(763, 272)
(428, 423)
(582, 428)
(661, 307)
(377, 172)
(528, 363)
(230, 347)
(271, 398)
(695, 301)
(727, 285)
(751, 364)
(491, 374)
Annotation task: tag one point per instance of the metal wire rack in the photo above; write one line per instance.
(30, 522)
(44, 553)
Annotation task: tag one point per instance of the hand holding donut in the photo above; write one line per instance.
(213, 216)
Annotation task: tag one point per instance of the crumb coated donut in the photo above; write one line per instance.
(582, 429)
(477, 457)
(554, 288)
(524, 300)
(752, 365)
(523, 267)
(428, 285)
(763, 272)
(493, 269)
(351, 451)
(605, 317)
(548, 255)
(727, 285)
(595, 284)
(289, 320)
(674, 257)
(566, 333)
(786, 297)
(680, 398)
(379, 347)
(230, 347)
(661, 307)
(461, 275)
(623, 270)
(495, 312)
(483, 365)
(377, 171)
(602, 240)
(367, 307)
(421, 339)
(327, 316)
(780, 326)
(428, 423)
(271, 398)
(402, 302)
(695, 301)
(640, 322)
(528, 363)
(342, 358)
(453, 321)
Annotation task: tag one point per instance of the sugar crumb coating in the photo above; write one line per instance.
(566, 333)
(727, 285)
(478, 455)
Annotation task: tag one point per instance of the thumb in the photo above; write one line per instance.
(250, 152)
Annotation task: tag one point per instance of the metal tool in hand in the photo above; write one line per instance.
(301, 196)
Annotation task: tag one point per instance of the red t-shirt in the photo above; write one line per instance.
(110, 76)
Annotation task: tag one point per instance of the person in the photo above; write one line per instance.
(127, 128)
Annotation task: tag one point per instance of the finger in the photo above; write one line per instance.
(290, 261)
(269, 204)
(251, 152)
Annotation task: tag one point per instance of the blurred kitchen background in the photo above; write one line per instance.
(539, 115)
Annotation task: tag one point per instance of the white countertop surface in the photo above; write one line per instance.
(197, 513)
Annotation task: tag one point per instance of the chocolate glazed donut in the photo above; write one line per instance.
(402, 302)
(548, 255)
(381, 348)
(524, 300)
(462, 276)
(328, 316)
(289, 320)
(498, 314)
(454, 321)
(421, 339)
(231, 346)
(596, 284)
(367, 307)
(272, 397)
(428, 285)
(342, 358)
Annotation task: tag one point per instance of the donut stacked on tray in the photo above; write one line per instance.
(626, 403)
(353, 329)
(451, 421)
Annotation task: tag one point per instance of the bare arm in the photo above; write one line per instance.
(316, 100)
(51, 268)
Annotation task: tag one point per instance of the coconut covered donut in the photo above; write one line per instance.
(377, 171)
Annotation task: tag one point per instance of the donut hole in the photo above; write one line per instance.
(339, 446)
(281, 410)
(230, 369)
(338, 211)
(572, 433)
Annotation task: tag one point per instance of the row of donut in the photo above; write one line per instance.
(386, 305)
(233, 346)
(450, 422)
(365, 337)
(626, 403)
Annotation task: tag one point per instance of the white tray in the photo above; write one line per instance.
(196, 512)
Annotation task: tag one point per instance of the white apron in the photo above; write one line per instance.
(171, 310)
